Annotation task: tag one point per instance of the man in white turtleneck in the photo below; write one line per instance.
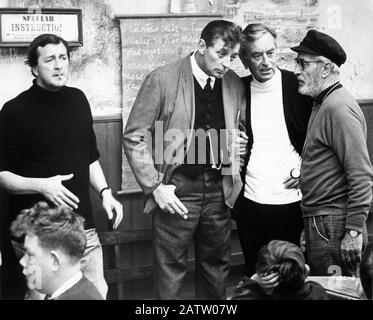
(277, 117)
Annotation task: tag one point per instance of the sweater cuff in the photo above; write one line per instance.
(356, 221)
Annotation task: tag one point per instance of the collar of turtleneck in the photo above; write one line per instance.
(44, 93)
(269, 83)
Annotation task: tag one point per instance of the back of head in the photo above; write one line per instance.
(227, 31)
(56, 228)
(251, 33)
(366, 271)
(288, 261)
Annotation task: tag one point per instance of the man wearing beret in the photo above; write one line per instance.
(336, 173)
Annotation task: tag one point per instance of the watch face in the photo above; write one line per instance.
(295, 173)
(353, 233)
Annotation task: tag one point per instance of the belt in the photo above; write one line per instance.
(192, 171)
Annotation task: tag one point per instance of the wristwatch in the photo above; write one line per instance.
(295, 173)
(353, 233)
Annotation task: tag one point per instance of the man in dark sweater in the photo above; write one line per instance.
(336, 173)
(54, 244)
(276, 124)
(48, 152)
(189, 194)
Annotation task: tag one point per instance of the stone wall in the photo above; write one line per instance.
(96, 67)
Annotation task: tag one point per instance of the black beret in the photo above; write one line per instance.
(320, 44)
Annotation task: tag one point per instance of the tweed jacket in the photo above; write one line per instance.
(165, 109)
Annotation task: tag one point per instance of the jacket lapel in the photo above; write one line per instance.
(186, 91)
(229, 109)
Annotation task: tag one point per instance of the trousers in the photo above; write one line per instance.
(208, 224)
(258, 224)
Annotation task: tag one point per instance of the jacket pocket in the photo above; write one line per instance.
(177, 183)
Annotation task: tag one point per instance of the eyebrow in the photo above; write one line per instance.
(269, 50)
(54, 55)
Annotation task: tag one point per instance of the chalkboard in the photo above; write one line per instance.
(149, 42)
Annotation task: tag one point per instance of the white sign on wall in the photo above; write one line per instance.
(18, 27)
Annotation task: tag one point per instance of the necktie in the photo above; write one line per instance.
(208, 88)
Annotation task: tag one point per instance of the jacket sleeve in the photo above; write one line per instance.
(137, 135)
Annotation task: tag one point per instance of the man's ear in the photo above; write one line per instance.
(34, 71)
(327, 69)
(56, 260)
(201, 46)
(307, 269)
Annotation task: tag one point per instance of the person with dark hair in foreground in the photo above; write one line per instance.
(54, 244)
(283, 266)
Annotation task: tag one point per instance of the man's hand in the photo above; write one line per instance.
(351, 251)
(291, 183)
(241, 143)
(268, 281)
(109, 203)
(241, 147)
(53, 190)
(164, 196)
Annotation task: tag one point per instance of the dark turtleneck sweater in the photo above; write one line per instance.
(46, 133)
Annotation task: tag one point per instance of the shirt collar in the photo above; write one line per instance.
(327, 91)
(199, 74)
(69, 283)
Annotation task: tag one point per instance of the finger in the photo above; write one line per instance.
(109, 211)
(241, 139)
(119, 213)
(70, 195)
(171, 209)
(287, 179)
(71, 204)
(358, 257)
(180, 205)
(243, 135)
(271, 278)
(292, 184)
(59, 202)
(66, 177)
(271, 284)
(174, 208)
(353, 260)
(346, 259)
